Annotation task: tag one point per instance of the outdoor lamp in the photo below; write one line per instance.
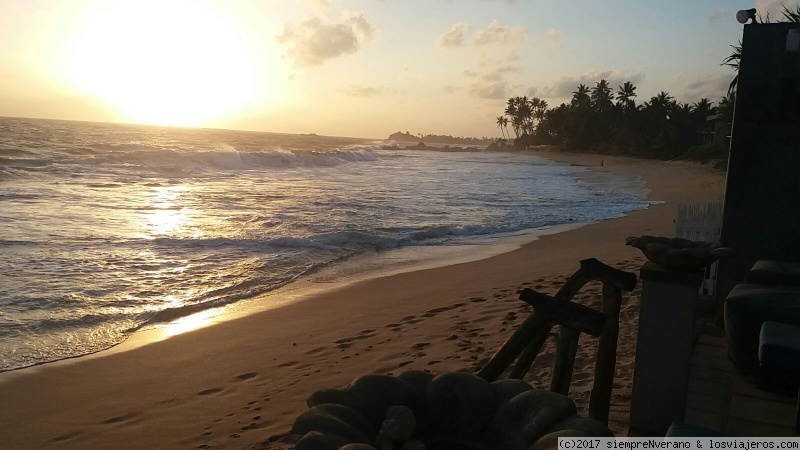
(746, 14)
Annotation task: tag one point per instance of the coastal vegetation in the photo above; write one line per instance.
(439, 139)
(603, 119)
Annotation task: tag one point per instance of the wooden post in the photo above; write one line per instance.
(606, 361)
(565, 360)
(591, 270)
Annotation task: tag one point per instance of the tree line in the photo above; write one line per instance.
(604, 120)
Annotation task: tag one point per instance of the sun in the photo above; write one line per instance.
(175, 62)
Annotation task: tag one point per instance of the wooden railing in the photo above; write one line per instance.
(527, 341)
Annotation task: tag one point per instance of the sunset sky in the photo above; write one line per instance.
(362, 68)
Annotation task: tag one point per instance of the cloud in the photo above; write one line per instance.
(488, 79)
(494, 33)
(532, 92)
(773, 9)
(565, 84)
(356, 90)
(676, 80)
(450, 89)
(719, 14)
(553, 36)
(711, 86)
(315, 40)
(498, 73)
(498, 90)
(455, 37)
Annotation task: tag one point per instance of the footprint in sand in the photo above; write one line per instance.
(65, 437)
(246, 376)
(119, 419)
(477, 300)
(288, 364)
(210, 391)
(169, 401)
(315, 351)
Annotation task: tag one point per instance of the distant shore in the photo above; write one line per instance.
(241, 383)
(434, 147)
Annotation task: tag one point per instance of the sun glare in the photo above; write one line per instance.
(165, 62)
(167, 216)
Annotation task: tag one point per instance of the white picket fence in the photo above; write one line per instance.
(701, 222)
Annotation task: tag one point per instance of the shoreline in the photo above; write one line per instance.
(206, 387)
(360, 268)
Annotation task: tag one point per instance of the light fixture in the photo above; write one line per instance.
(746, 14)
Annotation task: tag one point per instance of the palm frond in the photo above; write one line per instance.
(732, 86)
(733, 59)
(791, 16)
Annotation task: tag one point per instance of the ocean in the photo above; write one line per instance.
(109, 228)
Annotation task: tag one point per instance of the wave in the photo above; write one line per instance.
(24, 162)
(140, 160)
(6, 151)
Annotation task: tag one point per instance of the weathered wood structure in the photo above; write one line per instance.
(527, 341)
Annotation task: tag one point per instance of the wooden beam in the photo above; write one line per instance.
(572, 315)
(625, 281)
(529, 331)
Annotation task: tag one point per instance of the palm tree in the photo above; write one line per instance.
(725, 108)
(626, 95)
(703, 108)
(733, 61)
(662, 101)
(538, 107)
(499, 122)
(580, 98)
(511, 111)
(525, 114)
(601, 96)
(505, 125)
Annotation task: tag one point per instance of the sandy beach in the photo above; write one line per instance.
(241, 383)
